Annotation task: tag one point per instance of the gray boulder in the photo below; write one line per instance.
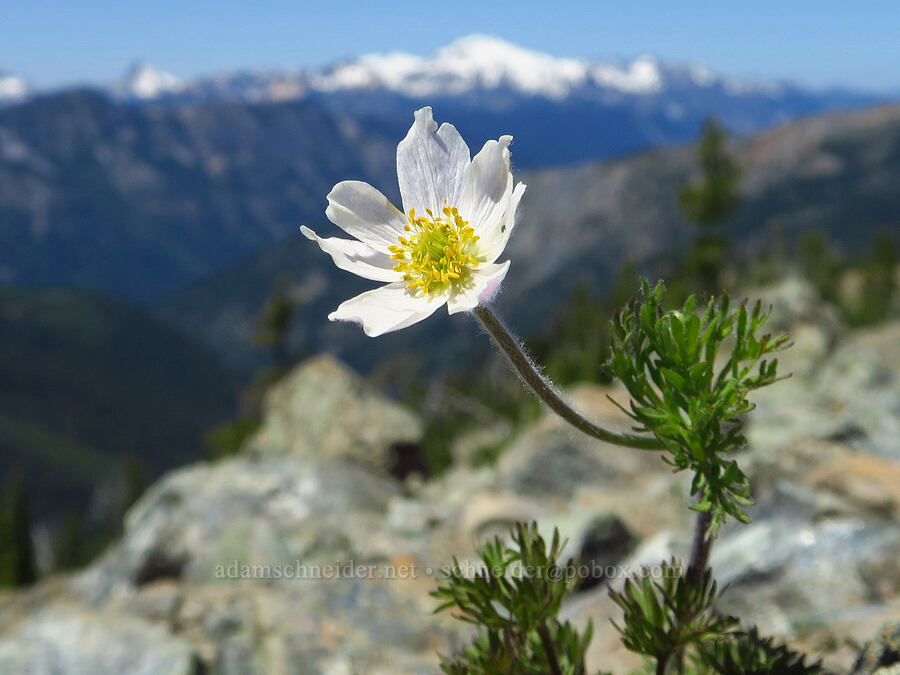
(200, 521)
(323, 409)
(74, 640)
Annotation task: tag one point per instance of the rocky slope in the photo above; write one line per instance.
(205, 578)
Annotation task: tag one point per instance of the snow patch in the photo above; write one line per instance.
(701, 75)
(143, 81)
(12, 87)
(642, 76)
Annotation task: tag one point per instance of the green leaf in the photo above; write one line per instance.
(667, 364)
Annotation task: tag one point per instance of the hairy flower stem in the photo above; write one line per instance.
(549, 649)
(544, 389)
(702, 544)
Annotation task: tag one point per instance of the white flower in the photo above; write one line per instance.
(457, 217)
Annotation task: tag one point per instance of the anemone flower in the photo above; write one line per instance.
(442, 248)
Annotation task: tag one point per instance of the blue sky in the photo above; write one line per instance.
(826, 42)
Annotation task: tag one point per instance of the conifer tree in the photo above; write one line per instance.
(272, 331)
(708, 204)
(275, 323)
(17, 561)
(879, 281)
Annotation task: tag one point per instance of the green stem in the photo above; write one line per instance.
(547, 643)
(544, 389)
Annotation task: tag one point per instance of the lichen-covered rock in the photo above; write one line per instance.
(859, 388)
(852, 398)
(199, 521)
(74, 640)
(880, 654)
(323, 409)
(793, 576)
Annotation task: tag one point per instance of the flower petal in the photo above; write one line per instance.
(431, 164)
(492, 242)
(363, 212)
(488, 187)
(356, 257)
(485, 281)
(387, 309)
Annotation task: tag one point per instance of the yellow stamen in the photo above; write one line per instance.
(439, 251)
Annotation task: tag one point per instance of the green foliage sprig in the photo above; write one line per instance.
(664, 616)
(515, 598)
(669, 362)
(747, 653)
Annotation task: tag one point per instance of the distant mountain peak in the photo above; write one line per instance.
(487, 62)
(471, 68)
(144, 81)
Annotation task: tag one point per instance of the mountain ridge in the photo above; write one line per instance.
(830, 173)
(469, 63)
(138, 200)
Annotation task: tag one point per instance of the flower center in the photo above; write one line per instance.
(437, 253)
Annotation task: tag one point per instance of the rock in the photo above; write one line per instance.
(813, 325)
(481, 444)
(821, 479)
(870, 481)
(200, 521)
(605, 542)
(795, 300)
(73, 640)
(851, 398)
(551, 459)
(492, 513)
(859, 387)
(160, 602)
(790, 576)
(322, 409)
(881, 653)
(319, 624)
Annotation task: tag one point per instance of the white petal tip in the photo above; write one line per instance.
(308, 233)
(370, 332)
(425, 120)
(506, 140)
(491, 289)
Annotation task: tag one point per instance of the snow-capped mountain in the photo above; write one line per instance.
(474, 66)
(144, 82)
(469, 65)
(479, 62)
(561, 110)
(12, 88)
